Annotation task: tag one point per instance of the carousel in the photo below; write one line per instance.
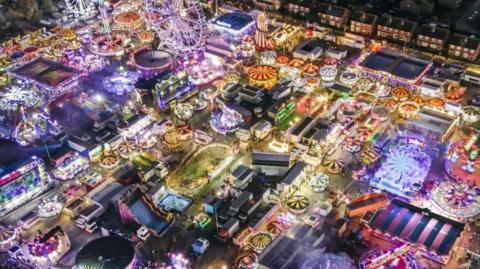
(282, 60)
(108, 45)
(259, 241)
(463, 161)
(311, 83)
(352, 145)
(128, 21)
(174, 137)
(152, 60)
(47, 249)
(390, 104)
(263, 76)
(50, 207)
(297, 204)
(204, 72)
(400, 94)
(126, 149)
(319, 182)
(121, 83)
(460, 200)
(417, 99)
(4, 79)
(224, 119)
(246, 261)
(454, 93)
(408, 109)
(471, 114)
(9, 237)
(310, 70)
(147, 140)
(183, 111)
(20, 93)
(108, 159)
(364, 84)
(334, 166)
(81, 60)
(349, 78)
(198, 104)
(380, 113)
(436, 103)
(328, 74)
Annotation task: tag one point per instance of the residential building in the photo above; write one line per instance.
(464, 47)
(396, 29)
(299, 7)
(332, 15)
(417, 6)
(363, 23)
(432, 37)
(268, 4)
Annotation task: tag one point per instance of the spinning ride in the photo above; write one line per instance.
(179, 24)
(298, 204)
(456, 199)
(81, 8)
(225, 119)
(50, 207)
(403, 171)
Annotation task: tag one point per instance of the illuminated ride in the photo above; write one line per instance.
(403, 171)
(81, 8)
(225, 119)
(460, 200)
(9, 237)
(50, 207)
(121, 83)
(319, 182)
(19, 93)
(179, 24)
(298, 204)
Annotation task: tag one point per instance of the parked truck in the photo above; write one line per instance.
(228, 229)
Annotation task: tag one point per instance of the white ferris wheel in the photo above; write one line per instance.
(179, 23)
(81, 8)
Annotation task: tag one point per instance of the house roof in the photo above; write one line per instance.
(465, 41)
(331, 10)
(303, 3)
(364, 17)
(397, 23)
(434, 32)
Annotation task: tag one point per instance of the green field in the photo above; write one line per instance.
(193, 175)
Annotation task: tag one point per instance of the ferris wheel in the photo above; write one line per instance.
(81, 8)
(178, 23)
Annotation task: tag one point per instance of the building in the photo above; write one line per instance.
(417, 6)
(432, 37)
(21, 183)
(452, 4)
(271, 164)
(301, 128)
(433, 86)
(293, 178)
(363, 23)
(308, 50)
(396, 29)
(251, 94)
(332, 15)
(434, 235)
(234, 25)
(268, 4)
(472, 74)
(242, 176)
(464, 47)
(299, 7)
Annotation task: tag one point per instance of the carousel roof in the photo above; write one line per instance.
(298, 202)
